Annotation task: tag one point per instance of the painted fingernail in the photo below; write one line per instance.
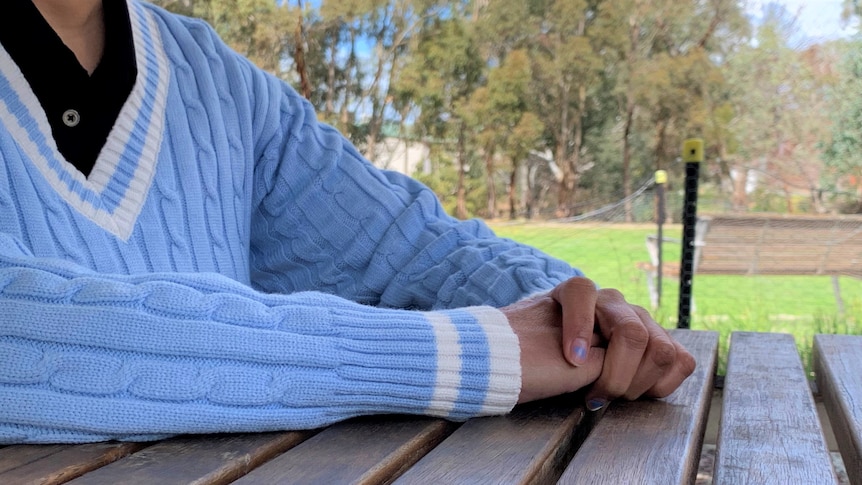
(596, 404)
(580, 350)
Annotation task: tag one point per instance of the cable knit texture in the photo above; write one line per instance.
(233, 265)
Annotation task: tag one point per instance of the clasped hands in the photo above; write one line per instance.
(577, 335)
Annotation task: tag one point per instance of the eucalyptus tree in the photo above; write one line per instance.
(257, 29)
(442, 74)
(502, 109)
(664, 58)
(851, 8)
(567, 71)
(778, 95)
(373, 46)
(505, 127)
(843, 150)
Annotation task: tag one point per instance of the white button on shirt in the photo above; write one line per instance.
(71, 118)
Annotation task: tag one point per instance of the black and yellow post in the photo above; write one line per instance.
(692, 155)
(660, 181)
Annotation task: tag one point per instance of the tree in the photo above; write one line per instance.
(502, 108)
(665, 70)
(851, 8)
(778, 93)
(254, 28)
(370, 42)
(567, 69)
(524, 137)
(505, 127)
(442, 75)
(843, 150)
(608, 87)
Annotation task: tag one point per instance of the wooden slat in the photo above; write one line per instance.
(838, 366)
(14, 456)
(68, 463)
(211, 459)
(370, 450)
(769, 431)
(778, 245)
(530, 445)
(656, 441)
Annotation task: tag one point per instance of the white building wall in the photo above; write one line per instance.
(404, 156)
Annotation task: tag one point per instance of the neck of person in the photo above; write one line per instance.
(80, 25)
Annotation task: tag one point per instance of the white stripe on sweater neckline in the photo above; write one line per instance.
(116, 190)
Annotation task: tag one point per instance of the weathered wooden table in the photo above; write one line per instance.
(769, 433)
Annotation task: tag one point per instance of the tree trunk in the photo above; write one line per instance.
(344, 118)
(627, 153)
(513, 187)
(330, 81)
(817, 205)
(371, 139)
(578, 129)
(378, 106)
(530, 194)
(461, 194)
(489, 182)
(299, 55)
(566, 185)
(740, 180)
(631, 52)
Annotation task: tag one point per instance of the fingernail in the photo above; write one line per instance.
(580, 350)
(596, 404)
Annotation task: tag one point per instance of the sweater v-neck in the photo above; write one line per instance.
(81, 107)
(115, 191)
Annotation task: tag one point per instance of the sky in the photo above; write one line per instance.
(818, 20)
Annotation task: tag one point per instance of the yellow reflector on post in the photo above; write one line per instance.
(692, 150)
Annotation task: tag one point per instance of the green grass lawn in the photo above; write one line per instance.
(608, 253)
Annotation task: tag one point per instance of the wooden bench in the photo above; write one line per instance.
(769, 244)
(839, 378)
(769, 433)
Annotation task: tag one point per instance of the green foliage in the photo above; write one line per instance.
(781, 98)
(441, 76)
(443, 180)
(359, 47)
(843, 152)
(500, 118)
(440, 80)
(254, 28)
(851, 8)
(609, 88)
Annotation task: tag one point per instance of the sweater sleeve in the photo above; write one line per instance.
(328, 220)
(91, 357)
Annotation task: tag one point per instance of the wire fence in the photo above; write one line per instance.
(758, 271)
(762, 272)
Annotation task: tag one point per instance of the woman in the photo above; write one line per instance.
(185, 249)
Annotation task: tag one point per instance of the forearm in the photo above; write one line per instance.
(85, 357)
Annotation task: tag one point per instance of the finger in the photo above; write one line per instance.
(627, 342)
(658, 360)
(553, 379)
(683, 366)
(577, 299)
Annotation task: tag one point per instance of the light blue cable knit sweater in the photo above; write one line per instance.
(232, 265)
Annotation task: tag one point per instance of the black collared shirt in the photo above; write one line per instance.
(81, 108)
